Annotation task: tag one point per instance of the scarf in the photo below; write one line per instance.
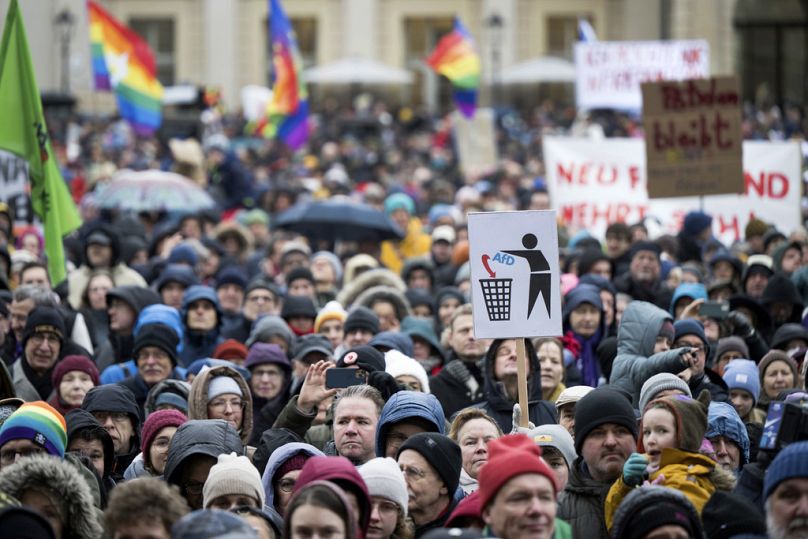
(41, 382)
(587, 361)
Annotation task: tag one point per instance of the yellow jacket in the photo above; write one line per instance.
(415, 243)
(689, 473)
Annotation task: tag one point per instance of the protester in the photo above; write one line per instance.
(146, 507)
(388, 499)
(652, 509)
(71, 379)
(115, 408)
(320, 509)
(232, 482)
(557, 450)
(472, 429)
(785, 490)
(221, 393)
(565, 406)
(86, 437)
(282, 471)
(405, 414)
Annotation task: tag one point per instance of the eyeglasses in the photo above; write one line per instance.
(8, 456)
(287, 485)
(413, 473)
(699, 348)
(222, 404)
(385, 507)
(39, 338)
(117, 417)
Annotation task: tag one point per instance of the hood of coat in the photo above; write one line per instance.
(408, 404)
(210, 437)
(344, 474)
(277, 459)
(639, 328)
(78, 420)
(198, 397)
(494, 391)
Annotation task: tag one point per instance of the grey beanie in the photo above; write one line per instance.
(269, 326)
(556, 436)
(659, 383)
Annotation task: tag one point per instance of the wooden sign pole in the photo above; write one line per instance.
(521, 365)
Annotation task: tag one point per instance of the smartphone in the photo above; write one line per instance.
(337, 377)
(714, 309)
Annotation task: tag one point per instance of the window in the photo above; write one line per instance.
(159, 34)
(562, 33)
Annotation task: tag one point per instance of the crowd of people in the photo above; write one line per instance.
(180, 382)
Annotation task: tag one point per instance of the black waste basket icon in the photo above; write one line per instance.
(497, 297)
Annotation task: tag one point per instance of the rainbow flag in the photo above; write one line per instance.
(123, 62)
(456, 57)
(288, 110)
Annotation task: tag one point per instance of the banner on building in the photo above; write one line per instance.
(594, 183)
(693, 137)
(609, 74)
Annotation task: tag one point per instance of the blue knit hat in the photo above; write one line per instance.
(723, 420)
(690, 326)
(743, 374)
(398, 201)
(695, 222)
(791, 462)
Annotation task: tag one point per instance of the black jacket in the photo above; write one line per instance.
(80, 420)
(657, 294)
(210, 437)
(582, 503)
(458, 385)
(117, 398)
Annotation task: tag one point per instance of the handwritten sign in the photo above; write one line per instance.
(594, 183)
(476, 141)
(693, 137)
(609, 74)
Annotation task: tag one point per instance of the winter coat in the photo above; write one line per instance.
(266, 411)
(415, 243)
(140, 389)
(79, 420)
(276, 460)
(65, 481)
(693, 474)
(500, 407)
(581, 503)
(712, 383)
(198, 398)
(657, 293)
(458, 385)
(116, 398)
(369, 279)
(118, 348)
(405, 405)
(210, 437)
(292, 418)
(22, 386)
(636, 338)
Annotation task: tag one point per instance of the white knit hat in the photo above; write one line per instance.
(384, 479)
(397, 364)
(223, 385)
(233, 474)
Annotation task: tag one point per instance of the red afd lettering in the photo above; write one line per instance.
(767, 184)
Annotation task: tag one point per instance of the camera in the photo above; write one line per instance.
(786, 422)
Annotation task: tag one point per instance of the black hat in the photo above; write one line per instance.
(315, 342)
(298, 306)
(644, 246)
(44, 320)
(25, 523)
(157, 335)
(441, 453)
(726, 515)
(647, 508)
(300, 273)
(98, 238)
(231, 275)
(603, 405)
(362, 318)
(365, 357)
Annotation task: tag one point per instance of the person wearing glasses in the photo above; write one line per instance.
(115, 407)
(388, 500)
(281, 473)
(155, 355)
(690, 333)
(222, 393)
(42, 341)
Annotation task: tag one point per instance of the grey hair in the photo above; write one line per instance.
(362, 391)
(41, 297)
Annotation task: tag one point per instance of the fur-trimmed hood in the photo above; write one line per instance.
(375, 277)
(66, 482)
(198, 397)
(388, 294)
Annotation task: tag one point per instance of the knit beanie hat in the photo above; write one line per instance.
(603, 405)
(74, 363)
(384, 479)
(556, 436)
(467, 508)
(294, 306)
(262, 353)
(441, 453)
(362, 318)
(332, 259)
(657, 384)
(690, 326)
(267, 327)
(695, 222)
(40, 423)
(331, 311)
(397, 364)
(157, 335)
(650, 507)
(691, 419)
(777, 355)
(791, 462)
(230, 349)
(786, 333)
(155, 422)
(300, 273)
(399, 201)
(293, 463)
(728, 515)
(365, 357)
(755, 227)
(743, 374)
(508, 457)
(231, 275)
(212, 524)
(731, 344)
(223, 385)
(639, 246)
(233, 474)
(44, 320)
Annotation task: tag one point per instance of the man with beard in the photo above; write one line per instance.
(786, 491)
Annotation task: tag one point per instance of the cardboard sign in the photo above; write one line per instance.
(693, 137)
(476, 142)
(609, 74)
(514, 274)
(596, 182)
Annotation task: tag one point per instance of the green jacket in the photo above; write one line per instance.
(292, 418)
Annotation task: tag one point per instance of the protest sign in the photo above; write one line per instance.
(476, 142)
(609, 74)
(693, 137)
(514, 274)
(594, 183)
(14, 187)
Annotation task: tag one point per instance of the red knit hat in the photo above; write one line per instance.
(156, 421)
(74, 363)
(509, 456)
(230, 349)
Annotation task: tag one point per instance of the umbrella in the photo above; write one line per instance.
(356, 70)
(338, 220)
(541, 69)
(153, 190)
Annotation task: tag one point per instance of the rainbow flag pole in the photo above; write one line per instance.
(456, 57)
(124, 63)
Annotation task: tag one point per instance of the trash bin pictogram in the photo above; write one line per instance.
(497, 297)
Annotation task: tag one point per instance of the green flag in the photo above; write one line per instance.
(23, 132)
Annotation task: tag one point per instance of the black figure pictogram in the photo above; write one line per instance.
(540, 277)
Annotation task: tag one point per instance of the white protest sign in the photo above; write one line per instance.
(14, 187)
(476, 141)
(514, 274)
(608, 74)
(594, 183)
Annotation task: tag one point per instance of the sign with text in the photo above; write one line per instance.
(476, 141)
(609, 74)
(14, 186)
(514, 274)
(693, 137)
(596, 182)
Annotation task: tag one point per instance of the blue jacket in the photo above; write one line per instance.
(404, 405)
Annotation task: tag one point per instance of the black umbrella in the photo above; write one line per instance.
(338, 220)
